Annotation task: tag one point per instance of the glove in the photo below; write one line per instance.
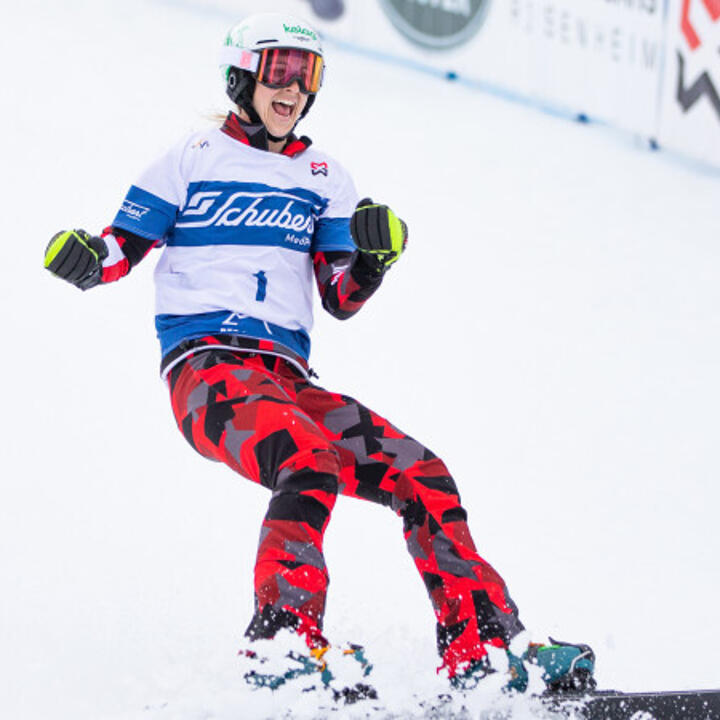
(76, 256)
(380, 235)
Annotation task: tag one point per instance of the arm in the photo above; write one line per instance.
(87, 261)
(345, 282)
(347, 279)
(126, 250)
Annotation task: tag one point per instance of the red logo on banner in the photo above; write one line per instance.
(713, 7)
(688, 95)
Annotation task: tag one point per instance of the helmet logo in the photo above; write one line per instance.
(439, 24)
(299, 30)
(237, 36)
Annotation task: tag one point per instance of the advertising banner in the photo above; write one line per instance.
(601, 57)
(598, 57)
(690, 114)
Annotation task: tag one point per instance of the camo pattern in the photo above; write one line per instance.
(261, 417)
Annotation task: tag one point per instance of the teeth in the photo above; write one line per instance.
(288, 103)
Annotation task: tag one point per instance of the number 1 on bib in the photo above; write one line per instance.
(261, 286)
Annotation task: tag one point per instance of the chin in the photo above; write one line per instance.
(284, 130)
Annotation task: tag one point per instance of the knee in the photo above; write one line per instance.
(306, 489)
(315, 469)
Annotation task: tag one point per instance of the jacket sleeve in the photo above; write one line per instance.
(125, 251)
(345, 282)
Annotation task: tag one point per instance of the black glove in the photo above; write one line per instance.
(380, 235)
(76, 256)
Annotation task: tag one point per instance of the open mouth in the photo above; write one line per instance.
(284, 108)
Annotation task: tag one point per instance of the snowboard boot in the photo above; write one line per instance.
(567, 667)
(311, 668)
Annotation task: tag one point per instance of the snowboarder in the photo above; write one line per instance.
(247, 215)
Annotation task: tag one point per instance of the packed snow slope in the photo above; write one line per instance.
(552, 332)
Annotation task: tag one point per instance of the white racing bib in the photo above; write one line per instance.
(239, 227)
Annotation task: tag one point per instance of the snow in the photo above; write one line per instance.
(552, 333)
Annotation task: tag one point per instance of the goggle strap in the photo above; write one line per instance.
(239, 58)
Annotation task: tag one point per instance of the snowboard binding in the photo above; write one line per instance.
(567, 667)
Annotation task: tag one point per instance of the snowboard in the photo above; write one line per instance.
(614, 705)
(593, 705)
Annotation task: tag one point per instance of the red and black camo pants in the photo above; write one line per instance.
(258, 415)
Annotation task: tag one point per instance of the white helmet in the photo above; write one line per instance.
(247, 56)
(259, 31)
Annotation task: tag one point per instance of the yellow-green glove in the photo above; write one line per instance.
(380, 235)
(76, 256)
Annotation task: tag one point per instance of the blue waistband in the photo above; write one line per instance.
(175, 329)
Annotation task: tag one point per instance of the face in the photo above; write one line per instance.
(279, 109)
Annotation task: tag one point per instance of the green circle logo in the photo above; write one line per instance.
(437, 24)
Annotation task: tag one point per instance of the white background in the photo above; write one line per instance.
(552, 333)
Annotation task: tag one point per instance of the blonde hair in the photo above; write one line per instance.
(217, 117)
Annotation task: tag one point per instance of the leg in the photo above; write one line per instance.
(382, 464)
(233, 409)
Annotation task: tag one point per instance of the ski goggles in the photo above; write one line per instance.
(280, 67)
